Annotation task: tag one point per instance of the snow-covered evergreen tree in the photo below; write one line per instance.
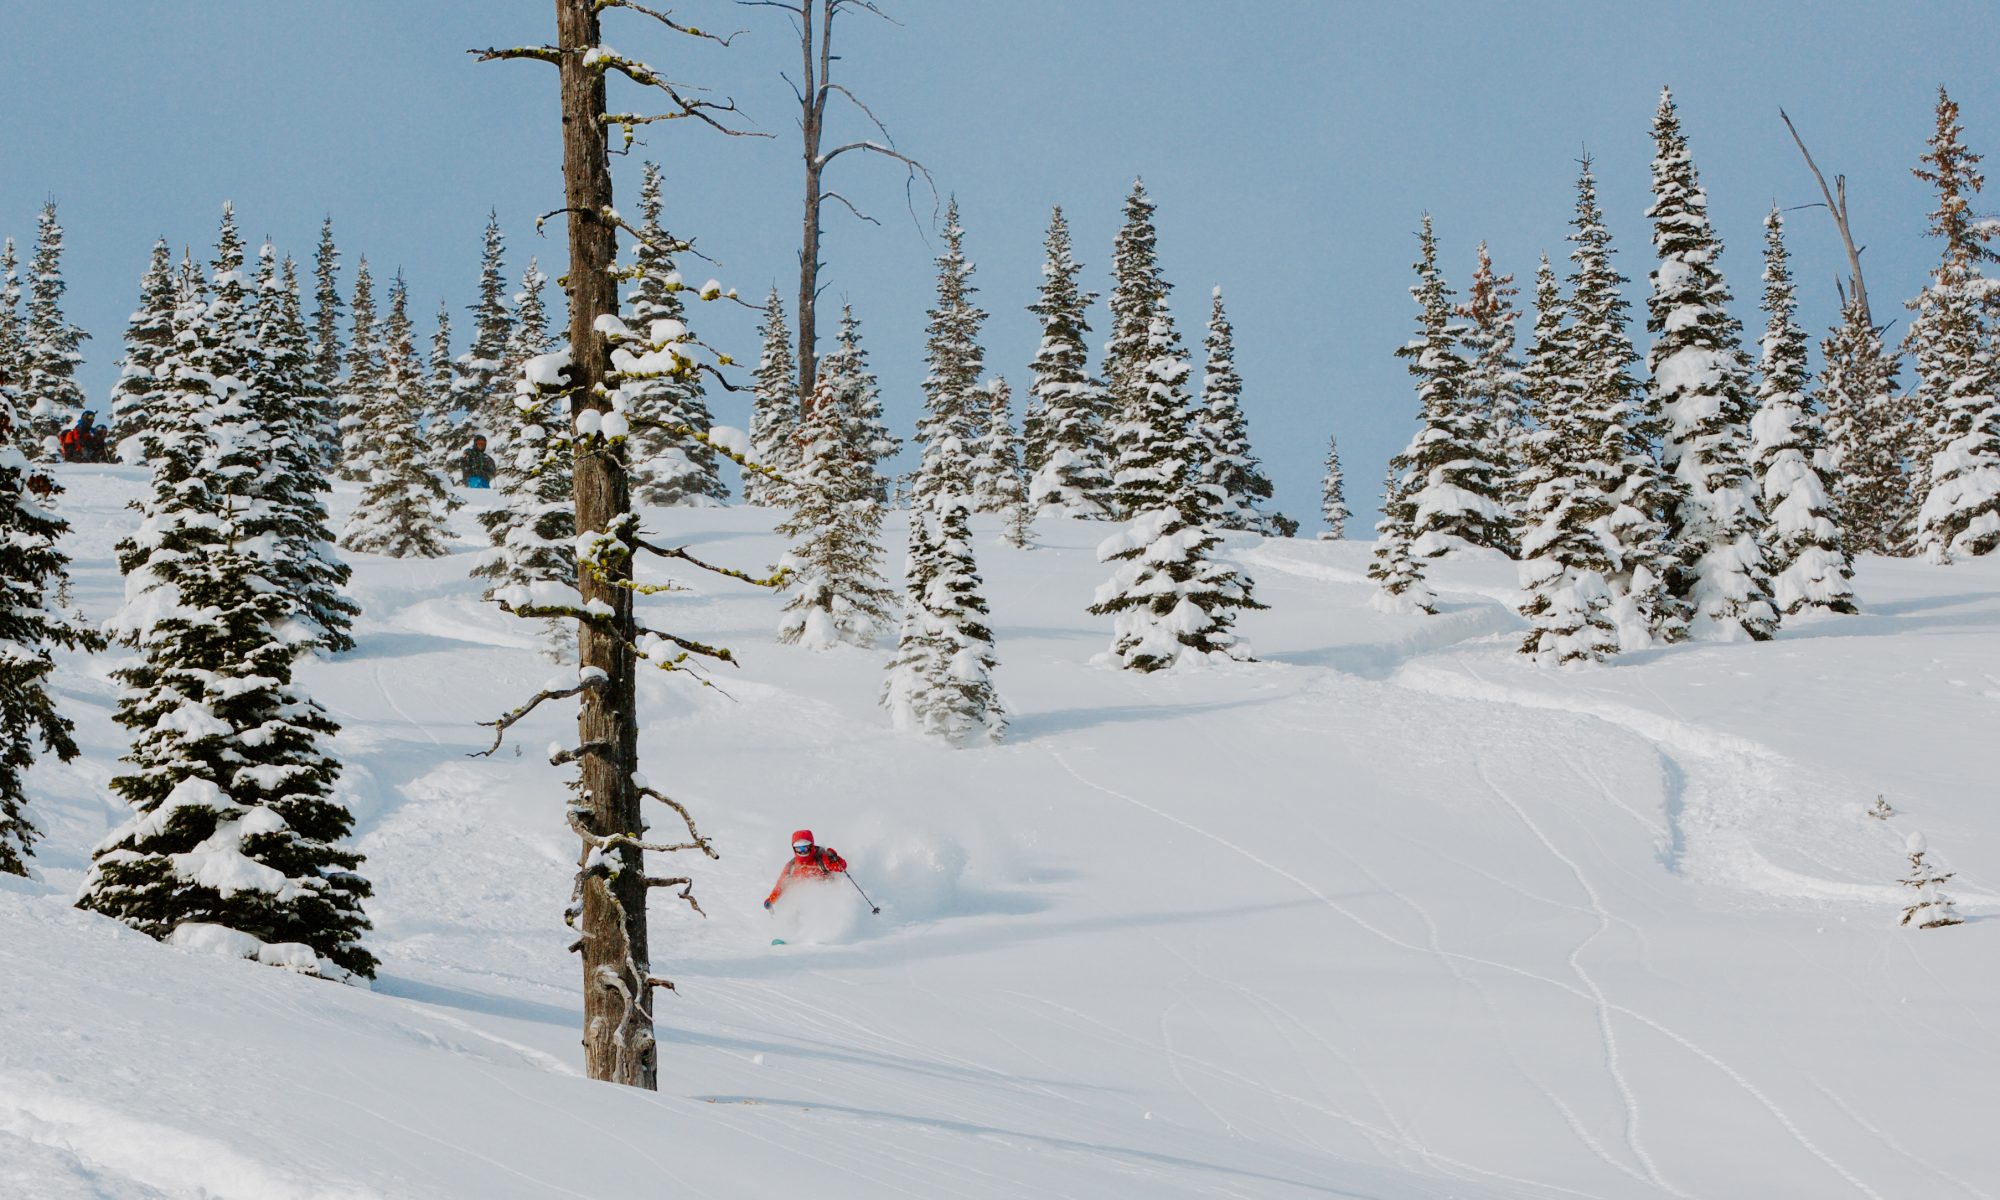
(1932, 909)
(1156, 452)
(941, 677)
(1000, 485)
(533, 528)
(954, 411)
(482, 388)
(13, 337)
(364, 379)
(295, 412)
(835, 589)
(1223, 433)
(1493, 384)
(1701, 394)
(327, 304)
(1809, 563)
(1952, 340)
(1449, 493)
(402, 509)
(774, 413)
(1568, 486)
(325, 341)
(234, 844)
(1138, 296)
(668, 468)
(1614, 422)
(1172, 600)
(52, 348)
(1392, 566)
(32, 625)
(1866, 435)
(1066, 437)
(1333, 495)
(148, 336)
(861, 396)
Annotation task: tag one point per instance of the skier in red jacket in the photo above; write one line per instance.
(808, 861)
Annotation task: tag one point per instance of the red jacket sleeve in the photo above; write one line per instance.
(778, 889)
(833, 861)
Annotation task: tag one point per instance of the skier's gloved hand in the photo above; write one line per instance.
(767, 906)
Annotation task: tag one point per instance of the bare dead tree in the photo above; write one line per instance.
(813, 19)
(1836, 204)
(608, 904)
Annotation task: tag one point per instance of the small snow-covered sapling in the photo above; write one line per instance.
(1882, 810)
(1932, 909)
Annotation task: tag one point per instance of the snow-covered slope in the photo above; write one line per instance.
(1389, 914)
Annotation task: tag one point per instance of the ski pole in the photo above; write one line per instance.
(872, 906)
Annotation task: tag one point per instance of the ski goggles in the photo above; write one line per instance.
(801, 847)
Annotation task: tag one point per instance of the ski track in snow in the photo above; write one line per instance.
(1603, 1006)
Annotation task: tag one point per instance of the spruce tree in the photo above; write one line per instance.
(1333, 496)
(1866, 433)
(1931, 909)
(1138, 295)
(482, 390)
(868, 434)
(668, 468)
(326, 308)
(999, 485)
(954, 415)
(234, 844)
(1614, 422)
(1568, 483)
(1809, 562)
(1493, 384)
(1223, 433)
(148, 337)
(32, 625)
(364, 379)
(295, 412)
(774, 413)
(1952, 340)
(327, 351)
(533, 527)
(1172, 600)
(403, 507)
(13, 337)
(1066, 431)
(1449, 494)
(51, 349)
(1701, 394)
(836, 593)
(1155, 450)
(941, 678)
(1398, 573)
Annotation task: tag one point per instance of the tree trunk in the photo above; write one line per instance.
(811, 117)
(617, 1003)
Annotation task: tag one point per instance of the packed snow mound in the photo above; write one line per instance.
(1390, 912)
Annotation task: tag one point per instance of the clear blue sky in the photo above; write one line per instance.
(1291, 146)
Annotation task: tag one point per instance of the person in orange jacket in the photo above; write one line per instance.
(808, 861)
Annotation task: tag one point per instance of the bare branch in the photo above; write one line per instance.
(655, 981)
(686, 886)
(1838, 209)
(680, 552)
(547, 54)
(507, 721)
(563, 757)
(669, 22)
(865, 110)
(700, 842)
(645, 76)
(825, 196)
